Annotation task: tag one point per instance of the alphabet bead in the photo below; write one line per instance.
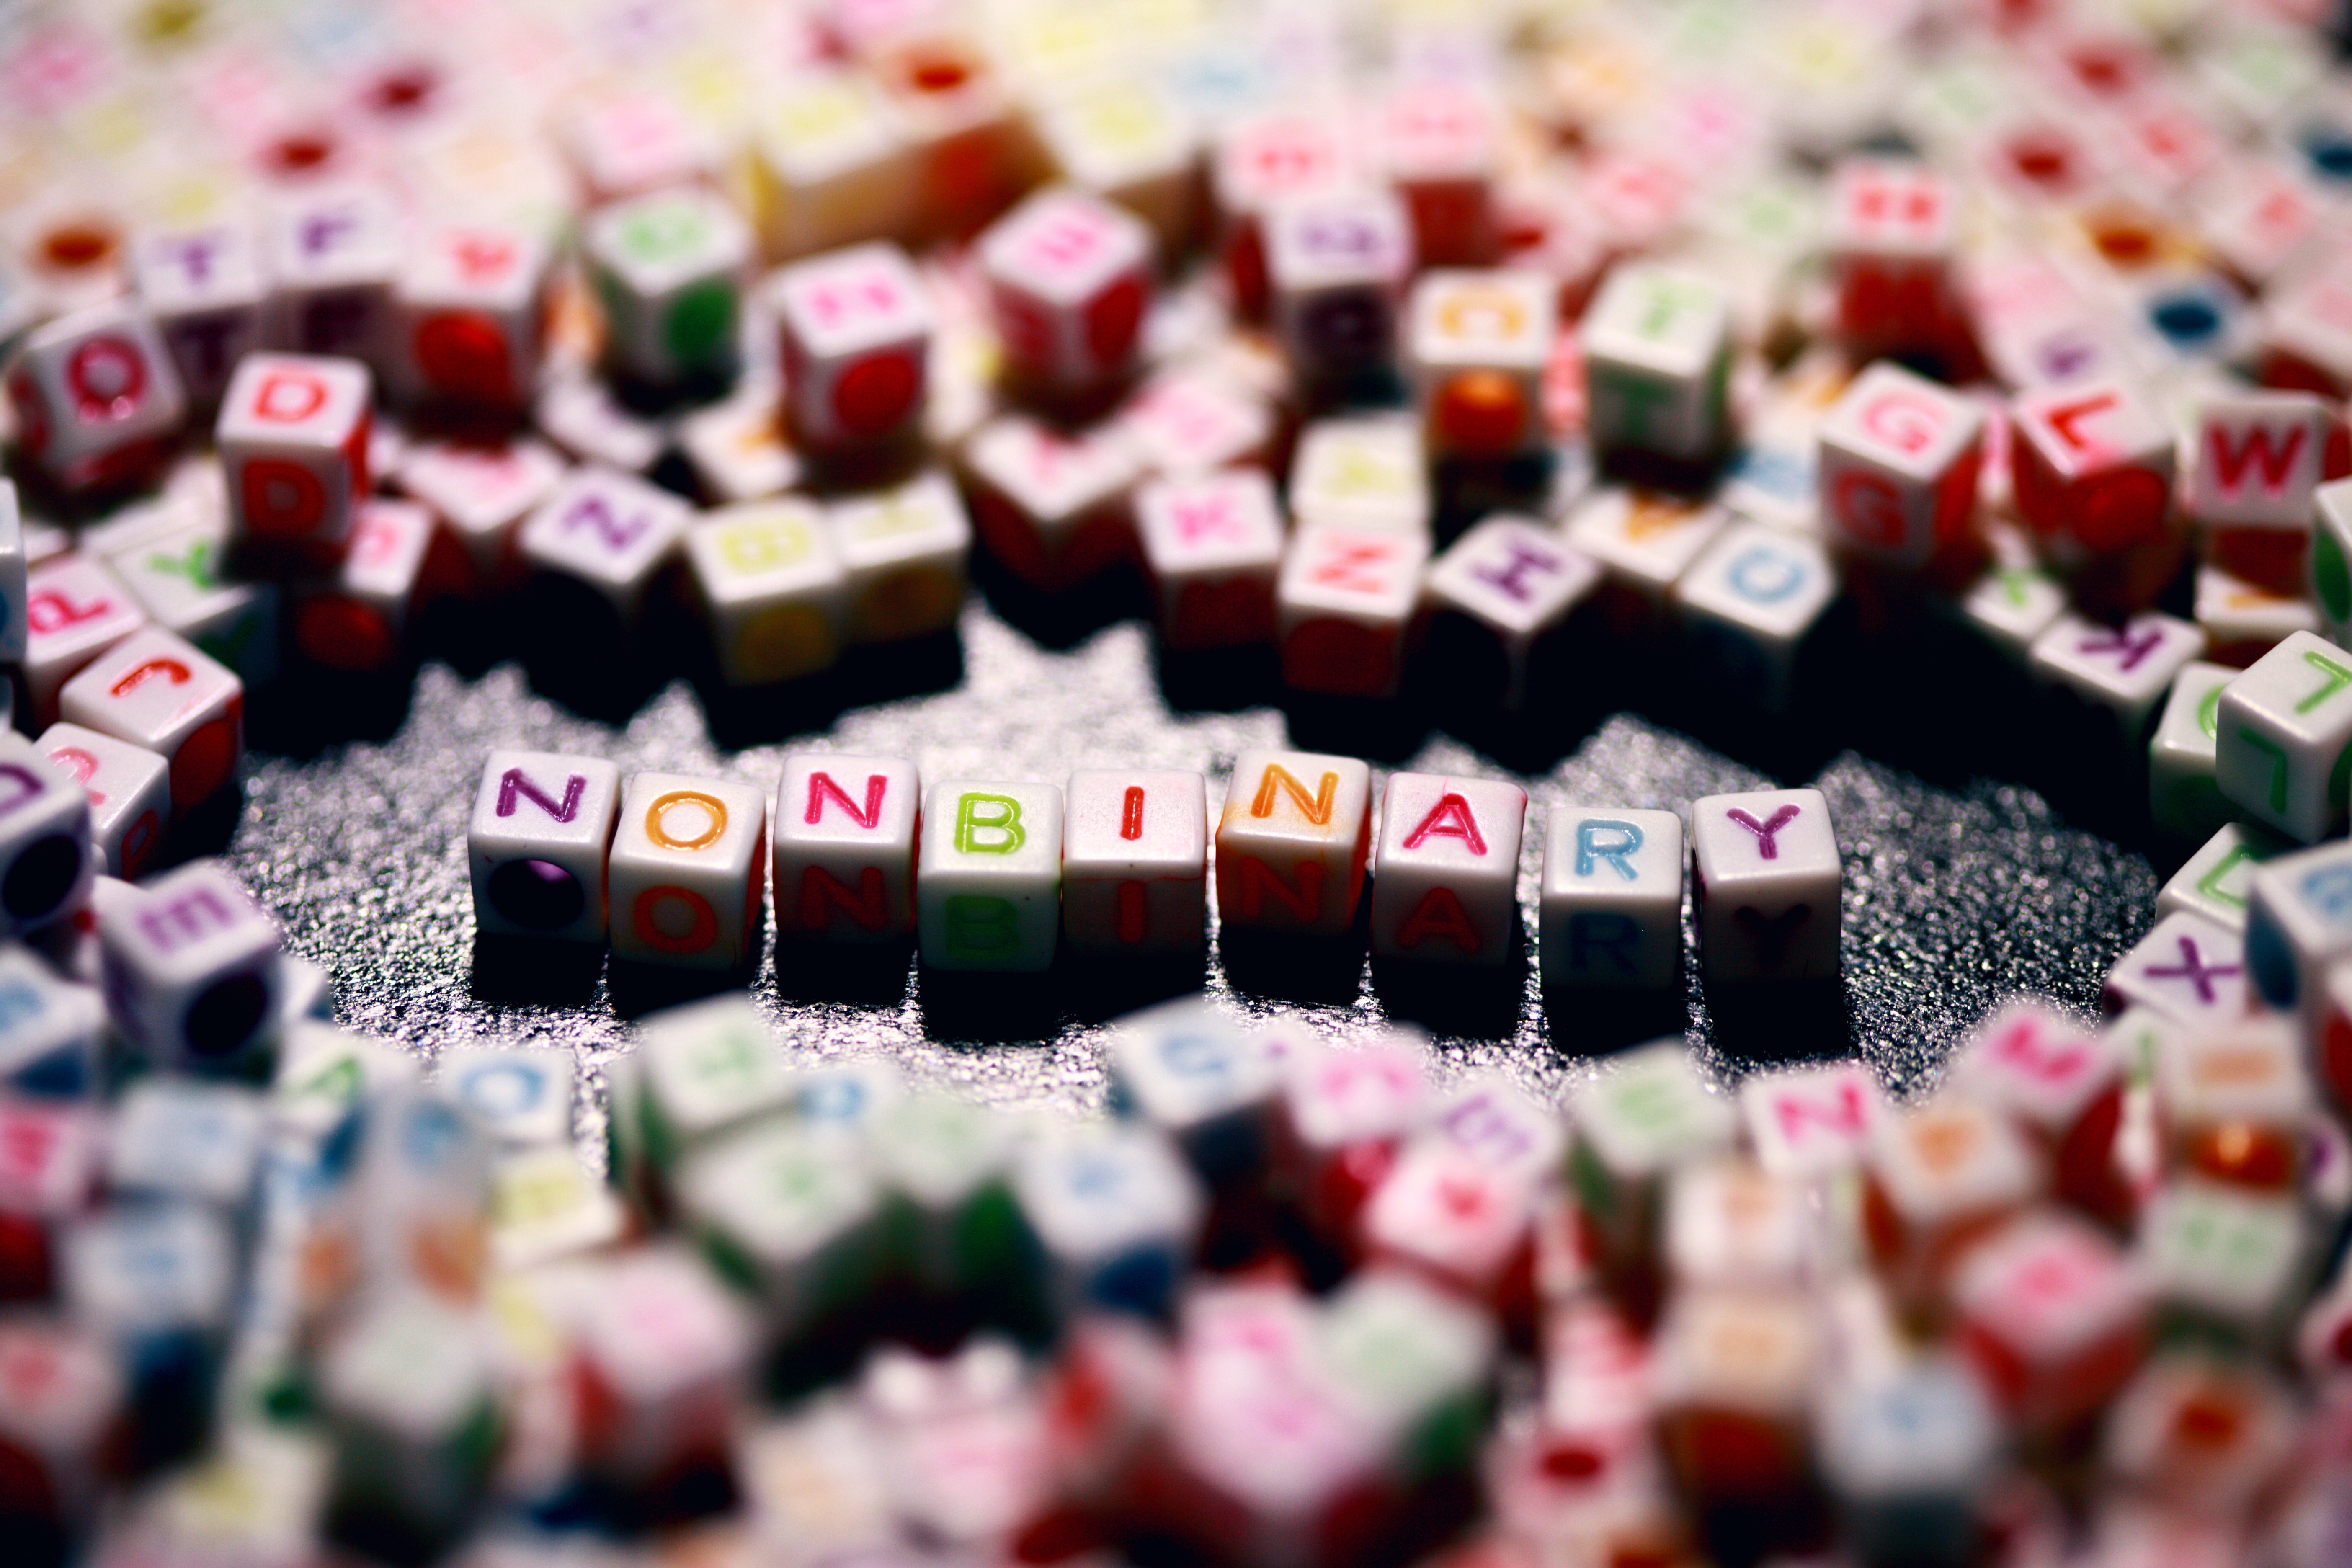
(904, 550)
(772, 592)
(537, 845)
(688, 871)
(1292, 842)
(857, 330)
(1343, 602)
(668, 268)
(1069, 283)
(95, 396)
(156, 690)
(1611, 898)
(1212, 544)
(988, 880)
(1445, 887)
(204, 287)
(1658, 354)
(1899, 462)
(845, 828)
(1135, 871)
(1766, 882)
(1477, 343)
(610, 532)
(129, 792)
(191, 970)
(293, 435)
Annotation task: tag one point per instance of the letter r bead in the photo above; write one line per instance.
(1611, 898)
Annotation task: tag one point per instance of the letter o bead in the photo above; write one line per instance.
(688, 871)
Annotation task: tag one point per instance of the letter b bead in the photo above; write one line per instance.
(541, 828)
(987, 882)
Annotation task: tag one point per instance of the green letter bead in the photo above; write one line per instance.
(2208, 714)
(982, 927)
(2210, 885)
(2277, 754)
(1633, 396)
(700, 321)
(995, 815)
(2330, 576)
(2338, 678)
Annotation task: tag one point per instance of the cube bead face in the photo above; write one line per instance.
(988, 880)
(1512, 575)
(857, 327)
(204, 287)
(482, 492)
(2092, 462)
(1644, 540)
(2283, 738)
(293, 437)
(523, 1097)
(1343, 601)
(773, 588)
(44, 826)
(1656, 346)
(688, 871)
(845, 829)
(1052, 507)
(610, 531)
(1292, 842)
(469, 305)
(537, 843)
(2298, 921)
(1899, 460)
(91, 390)
(1337, 263)
(1810, 1123)
(1069, 283)
(190, 966)
(2184, 795)
(905, 551)
(2187, 970)
(1445, 887)
(2216, 881)
(1477, 343)
(129, 792)
(1191, 421)
(2124, 670)
(156, 690)
(1213, 545)
(1365, 473)
(333, 254)
(1135, 866)
(1751, 600)
(1767, 885)
(668, 268)
(2258, 458)
(1612, 898)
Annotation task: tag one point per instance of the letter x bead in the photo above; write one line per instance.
(2188, 970)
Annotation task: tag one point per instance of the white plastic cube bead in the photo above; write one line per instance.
(1202, 1080)
(610, 531)
(1445, 885)
(49, 1029)
(175, 577)
(1612, 897)
(988, 880)
(1644, 539)
(204, 287)
(856, 328)
(360, 620)
(1135, 861)
(1192, 420)
(1364, 472)
(2284, 737)
(188, 1140)
(293, 434)
(1749, 602)
(1812, 1124)
(904, 550)
(1068, 277)
(1766, 883)
(700, 1070)
(1343, 602)
(688, 871)
(1337, 263)
(1115, 1212)
(190, 965)
(537, 843)
(331, 256)
(2124, 669)
(2187, 969)
(1476, 346)
(1129, 141)
(1051, 507)
(2298, 921)
(519, 1096)
(2216, 880)
(2183, 796)
(92, 392)
(830, 164)
(2259, 458)
(129, 793)
(845, 837)
(1657, 356)
(156, 690)
(46, 860)
(1292, 842)
(2331, 559)
(482, 492)
(668, 268)
(1212, 544)
(1899, 460)
(468, 318)
(1516, 581)
(773, 590)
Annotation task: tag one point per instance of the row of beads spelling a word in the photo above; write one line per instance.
(992, 875)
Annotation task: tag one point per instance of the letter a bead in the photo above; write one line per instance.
(541, 828)
(845, 847)
(988, 882)
(1447, 886)
(1292, 842)
(1767, 885)
(688, 871)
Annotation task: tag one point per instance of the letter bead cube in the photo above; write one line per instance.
(2063, 1085)
(50, 1033)
(829, 164)
(156, 690)
(521, 1097)
(1068, 277)
(2053, 1315)
(988, 880)
(1337, 265)
(668, 269)
(1812, 1124)
(1135, 862)
(2224, 1263)
(2183, 796)
(293, 435)
(1941, 1173)
(2119, 673)
(1343, 603)
(1612, 898)
(204, 289)
(2283, 741)
(1292, 843)
(471, 309)
(688, 871)
(1765, 884)
(129, 792)
(2090, 464)
(2187, 969)
(96, 399)
(1053, 508)
(905, 550)
(2330, 569)
(609, 531)
(1648, 1113)
(537, 843)
(1212, 544)
(1116, 1212)
(1750, 602)
(1476, 345)
(772, 591)
(1192, 420)
(1894, 230)
(845, 837)
(2298, 923)
(1899, 462)
(61, 1415)
(480, 492)
(1657, 359)
(360, 620)
(2258, 458)
(45, 861)
(1445, 885)
(75, 609)
(1203, 1081)
(1345, 1116)
(2215, 881)
(856, 329)
(191, 970)
(1361, 471)
(2234, 1103)
(333, 255)
(1495, 596)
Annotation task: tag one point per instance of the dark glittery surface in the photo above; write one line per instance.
(1957, 893)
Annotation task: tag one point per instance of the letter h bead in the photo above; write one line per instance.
(541, 828)
(845, 836)
(1292, 842)
(988, 882)
(688, 870)
(1612, 898)
(1767, 885)
(1447, 886)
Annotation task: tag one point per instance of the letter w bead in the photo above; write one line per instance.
(514, 784)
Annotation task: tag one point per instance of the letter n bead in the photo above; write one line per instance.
(541, 829)
(1446, 886)
(1612, 898)
(987, 882)
(1292, 842)
(845, 830)
(688, 871)
(1767, 885)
